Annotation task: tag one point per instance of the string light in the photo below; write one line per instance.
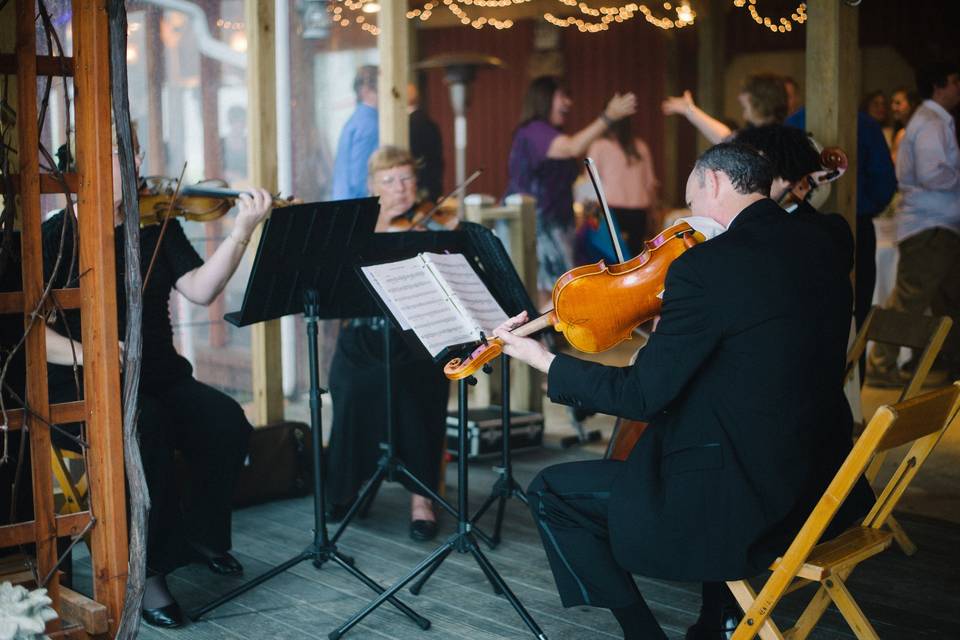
(781, 25)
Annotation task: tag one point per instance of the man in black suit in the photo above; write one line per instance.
(741, 385)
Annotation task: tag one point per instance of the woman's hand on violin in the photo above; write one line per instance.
(621, 106)
(678, 105)
(252, 207)
(525, 349)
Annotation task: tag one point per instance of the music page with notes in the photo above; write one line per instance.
(439, 296)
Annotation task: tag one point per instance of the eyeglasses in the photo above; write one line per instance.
(389, 181)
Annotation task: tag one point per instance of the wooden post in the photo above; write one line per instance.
(833, 67)
(45, 527)
(98, 307)
(711, 62)
(262, 154)
(156, 71)
(671, 192)
(394, 74)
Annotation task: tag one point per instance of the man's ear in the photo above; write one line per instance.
(713, 183)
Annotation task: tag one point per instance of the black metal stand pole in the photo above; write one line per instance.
(505, 487)
(389, 466)
(463, 541)
(322, 549)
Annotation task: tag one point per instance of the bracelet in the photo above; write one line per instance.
(242, 243)
(607, 120)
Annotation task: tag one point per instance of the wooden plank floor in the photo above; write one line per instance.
(907, 598)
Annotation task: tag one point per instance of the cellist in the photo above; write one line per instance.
(740, 385)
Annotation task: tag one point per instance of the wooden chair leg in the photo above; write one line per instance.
(811, 614)
(900, 536)
(850, 609)
(745, 595)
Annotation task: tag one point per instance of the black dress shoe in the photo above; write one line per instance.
(168, 617)
(423, 530)
(717, 628)
(225, 565)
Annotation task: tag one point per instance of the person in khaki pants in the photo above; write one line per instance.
(928, 272)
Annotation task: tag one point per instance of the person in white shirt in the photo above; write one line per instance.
(928, 233)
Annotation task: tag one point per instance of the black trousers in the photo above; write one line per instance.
(569, 504)
(211, 432)
(866, 276)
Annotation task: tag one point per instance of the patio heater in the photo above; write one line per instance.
(459, 71)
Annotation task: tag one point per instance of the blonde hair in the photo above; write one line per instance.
(389, 157)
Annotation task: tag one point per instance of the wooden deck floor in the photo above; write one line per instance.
(907, 598)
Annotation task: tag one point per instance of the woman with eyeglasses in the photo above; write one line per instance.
(419, 392)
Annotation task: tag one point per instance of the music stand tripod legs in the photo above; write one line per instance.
(323, 549)
(505, 486)
(389, 466)
(464, 541)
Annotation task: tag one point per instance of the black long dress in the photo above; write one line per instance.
(357, 387)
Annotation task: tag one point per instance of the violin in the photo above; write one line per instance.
(428, 216)
(205, 201)
(833, 163)
(598, 306)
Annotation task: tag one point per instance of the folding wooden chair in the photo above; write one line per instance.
(920, 421)
(923, 334)
(74, 490)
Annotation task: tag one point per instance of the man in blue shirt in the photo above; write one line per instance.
(876, 184)
(358, 140)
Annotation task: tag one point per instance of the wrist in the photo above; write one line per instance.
(607, 120)
(239, 238)
(545, 361)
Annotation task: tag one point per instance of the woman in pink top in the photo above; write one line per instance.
(626, 169)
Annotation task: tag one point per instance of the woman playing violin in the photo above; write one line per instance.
(420, 389)
(177, 412)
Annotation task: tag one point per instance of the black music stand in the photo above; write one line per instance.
(303, 253)
(486, 253)
(465, 539)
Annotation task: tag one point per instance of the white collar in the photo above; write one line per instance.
(934, 106)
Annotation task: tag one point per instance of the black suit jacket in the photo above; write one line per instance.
(742, 386)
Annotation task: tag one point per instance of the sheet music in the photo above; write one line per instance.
(467, 291)
(418, 301)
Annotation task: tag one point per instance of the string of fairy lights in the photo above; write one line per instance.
(589, 19)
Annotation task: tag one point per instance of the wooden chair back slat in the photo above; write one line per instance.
(936, 411)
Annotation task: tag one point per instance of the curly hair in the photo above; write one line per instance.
(768, 95)
(789, 150)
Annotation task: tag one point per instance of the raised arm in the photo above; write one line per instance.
(711, 128)
(575, 145)
(61, 349)
(203, 284)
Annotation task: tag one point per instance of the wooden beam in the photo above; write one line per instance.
(35, 346)
(711, 61)
(67, 526)
(46, 65)
(98, 307)
(49, 184)
(393, 44)
(60, 413)
(12, 301)
(80, 609)
(262, 153)
(833, 67)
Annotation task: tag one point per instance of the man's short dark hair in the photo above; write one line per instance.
(933, 75)
(366, 77)
(789, 150)
(748, 170)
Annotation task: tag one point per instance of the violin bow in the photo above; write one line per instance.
(163, 228)
(460, 187)
(595, 179)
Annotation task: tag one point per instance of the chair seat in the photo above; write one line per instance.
(848, 549)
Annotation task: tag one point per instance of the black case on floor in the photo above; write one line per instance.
(486, 434)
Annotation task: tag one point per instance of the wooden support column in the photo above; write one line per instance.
(262, 154)
(98, 307)
(156, 71)
(671, 193)
(711, 62)
(393, 44)
(44, 523)
(833, 67)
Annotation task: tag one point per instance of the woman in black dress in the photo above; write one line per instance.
(420, 390)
